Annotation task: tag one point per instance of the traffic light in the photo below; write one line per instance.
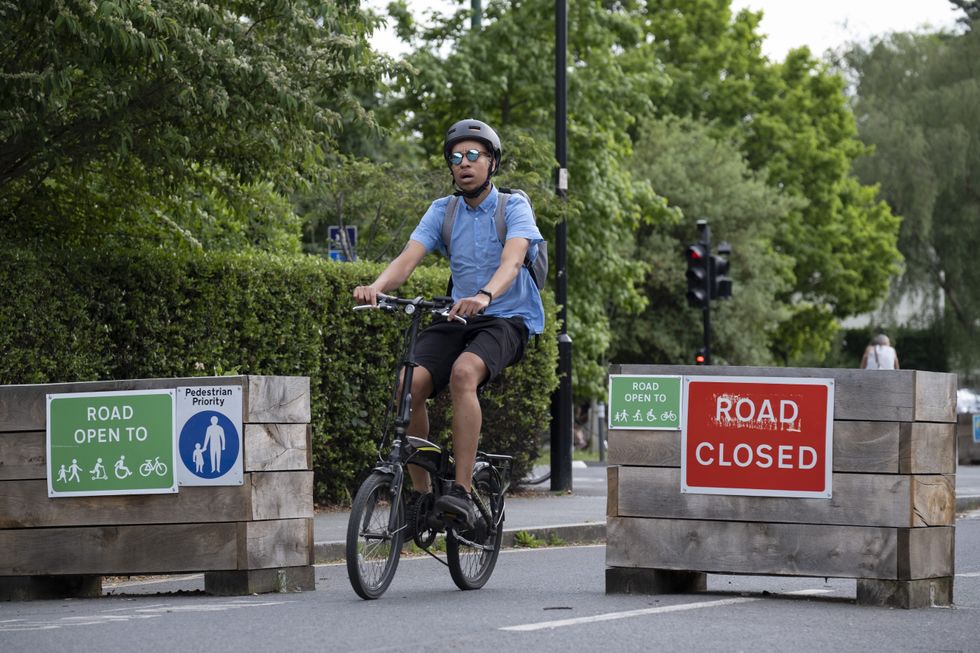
(721, 283)
(697, 276)
(699, 357)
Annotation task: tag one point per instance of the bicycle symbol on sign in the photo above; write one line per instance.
(151, 466)
(668, 416)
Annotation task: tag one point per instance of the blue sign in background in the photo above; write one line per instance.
(194, 433)
(976, 428)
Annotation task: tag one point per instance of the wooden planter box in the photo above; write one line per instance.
(889, 524)
(257, 537)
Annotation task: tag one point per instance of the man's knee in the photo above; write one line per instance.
(421, 385)
(468, 373)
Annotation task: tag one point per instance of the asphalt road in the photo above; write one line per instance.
(537, 600)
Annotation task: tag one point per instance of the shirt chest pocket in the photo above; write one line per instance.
(488, 247)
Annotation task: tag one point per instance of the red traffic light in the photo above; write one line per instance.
(699, 359)
(696, 252)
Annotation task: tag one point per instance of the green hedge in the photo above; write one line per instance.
(153, 314)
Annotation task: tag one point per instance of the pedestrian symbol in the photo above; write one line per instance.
(209, 444)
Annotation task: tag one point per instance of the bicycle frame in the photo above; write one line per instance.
(471, 546)
(398, 456)
(437, 466)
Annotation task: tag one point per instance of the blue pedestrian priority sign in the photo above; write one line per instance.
(209, 435)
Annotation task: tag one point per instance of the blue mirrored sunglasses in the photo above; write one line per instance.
(471, 155)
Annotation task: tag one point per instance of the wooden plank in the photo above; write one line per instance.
(906, 594)
(279, 543)
(278, 400)
(281, 495)
(933, 500)
(115, 550)
(265, 495)
(612, 491)
(24, 408)
(758, 548)
(25, 504)
(858, 447)
(883, 500)
(865, 447)
(277, 447)
(260, 581)
(897, 395)
(925, 552)
(636, 447)
(927, 448)
(22, 455)
(935, 397)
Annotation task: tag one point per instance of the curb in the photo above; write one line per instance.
(586, 533)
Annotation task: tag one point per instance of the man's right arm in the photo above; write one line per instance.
(394, 275)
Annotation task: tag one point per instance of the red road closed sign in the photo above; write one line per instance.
(759, 437)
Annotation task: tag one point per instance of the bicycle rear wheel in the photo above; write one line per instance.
(372, 547)
(472, 561)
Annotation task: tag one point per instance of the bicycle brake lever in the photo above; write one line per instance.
(445, 314)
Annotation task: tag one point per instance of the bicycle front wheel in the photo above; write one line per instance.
(372, 547)
(472, 554)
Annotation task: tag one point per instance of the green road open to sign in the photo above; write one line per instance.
(111, 443)
(644, 402)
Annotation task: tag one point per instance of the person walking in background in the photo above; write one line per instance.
(879, 355)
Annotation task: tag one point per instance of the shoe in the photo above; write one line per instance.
(457, 506)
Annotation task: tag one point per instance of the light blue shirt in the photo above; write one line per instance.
(476, 253)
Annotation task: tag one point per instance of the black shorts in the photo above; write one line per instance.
(498, 341)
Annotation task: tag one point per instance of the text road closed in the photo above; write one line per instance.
(748, 436)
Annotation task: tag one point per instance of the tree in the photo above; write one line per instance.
(708, 179)
(794, 125)
(916, 99)
(504, 75)
(174, 120)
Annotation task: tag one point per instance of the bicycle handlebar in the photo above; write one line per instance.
(437, 305)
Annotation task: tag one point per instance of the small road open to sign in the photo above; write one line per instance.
(644, 402)
(752, 436)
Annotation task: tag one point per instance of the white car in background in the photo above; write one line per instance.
(967, 401)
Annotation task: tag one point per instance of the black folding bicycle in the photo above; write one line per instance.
(382, 518)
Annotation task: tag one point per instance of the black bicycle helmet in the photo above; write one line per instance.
(471, 129)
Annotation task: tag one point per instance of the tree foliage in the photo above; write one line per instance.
(794, 125)
(171, 120)
(916, 100)
(505, 75)
(706, 177)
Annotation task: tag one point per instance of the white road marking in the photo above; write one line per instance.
(971, 574)
(611, 616)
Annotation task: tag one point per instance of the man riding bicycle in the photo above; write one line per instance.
(491, 289)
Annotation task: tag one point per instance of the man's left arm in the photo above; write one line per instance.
(511, 261)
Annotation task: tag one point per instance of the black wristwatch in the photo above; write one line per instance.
(484, 291)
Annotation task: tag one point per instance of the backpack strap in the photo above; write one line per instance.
(499, 221)
(447, 222)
